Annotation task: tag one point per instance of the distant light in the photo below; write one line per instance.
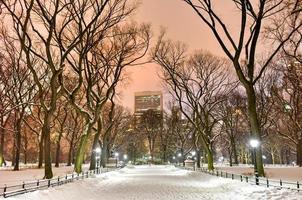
(287, 107)
(98, 150)
(150, 157)
(125, 156)
(264, 157)
(179, 155)
(116, 154)
(174, 157)
(193, 153)
(254, 143)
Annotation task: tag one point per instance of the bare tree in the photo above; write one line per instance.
(98, 63)
(61, 118)
(63, 27)
(74, 126)
(152, 123)
(288, 105)
(198, 84)
(232, 115)
(181, 131)
(253, 14)
(5, 104)
(119, 131)
(21, 92)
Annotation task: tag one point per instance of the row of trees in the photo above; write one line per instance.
(64, 59)
(208, 114)
(61, 63)
(200, 83)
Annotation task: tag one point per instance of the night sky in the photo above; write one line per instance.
(181, 24)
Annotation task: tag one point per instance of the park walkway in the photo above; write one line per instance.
(158, 183)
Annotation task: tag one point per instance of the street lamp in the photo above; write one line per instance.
(116, 154)
(179, 155)
(254, 144)
(97, 157)
(264, 158)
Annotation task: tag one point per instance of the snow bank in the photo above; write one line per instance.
(284, 173)
(10, 177)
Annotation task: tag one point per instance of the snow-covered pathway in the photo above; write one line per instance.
(158, 182)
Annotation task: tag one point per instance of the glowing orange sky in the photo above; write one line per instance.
(182, 24)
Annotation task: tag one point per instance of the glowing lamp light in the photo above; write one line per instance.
(254, 143)
(98, 150)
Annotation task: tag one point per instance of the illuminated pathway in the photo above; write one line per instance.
(158, 182)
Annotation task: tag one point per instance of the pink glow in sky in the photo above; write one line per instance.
(181, 24)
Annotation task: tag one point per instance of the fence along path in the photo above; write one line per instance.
(14, 190)
(262, 181)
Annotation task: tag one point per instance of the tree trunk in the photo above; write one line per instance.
(164, 154)
(2, 161)
(82, 148)
(70, 150)
(299, 152)
(93, 156)
(273, 158)
(18, 144)
(58, 149)
(13, 152)
(210, 159)
(95, 145)
(230, 155)
(234, 151)
(25, 156)
(104, 153)
(41, 151)
(47, 143)
(25, 147)
(255, 127)
(198, 158)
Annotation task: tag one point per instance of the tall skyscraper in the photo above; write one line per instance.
(147, 100)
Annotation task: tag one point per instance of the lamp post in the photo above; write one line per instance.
(264, 158)
(97, 158)
(116, 154)
(179, 157)
(254, 144)
(125, 156)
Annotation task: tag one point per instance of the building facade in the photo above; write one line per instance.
(147, 100)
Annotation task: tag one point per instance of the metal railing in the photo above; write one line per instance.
(255, 180)
(13, 190)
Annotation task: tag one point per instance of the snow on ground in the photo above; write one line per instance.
(158, 183)
(284, 173)
(10, 177)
